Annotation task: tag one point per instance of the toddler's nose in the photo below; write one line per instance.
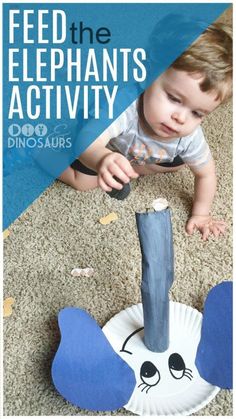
(179, 117)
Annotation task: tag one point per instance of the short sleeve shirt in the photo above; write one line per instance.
(129, 139)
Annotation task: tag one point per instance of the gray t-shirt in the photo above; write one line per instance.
(128, 138)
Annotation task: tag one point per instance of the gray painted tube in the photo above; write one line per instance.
(156, 242)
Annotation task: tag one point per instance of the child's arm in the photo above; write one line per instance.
(107, 164)
(204, 192)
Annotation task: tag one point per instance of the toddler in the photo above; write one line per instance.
(161, 132)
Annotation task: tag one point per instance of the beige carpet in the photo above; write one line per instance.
(60, 231)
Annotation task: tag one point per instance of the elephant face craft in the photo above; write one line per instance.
(106, 369)
(167, 382)
(154, 368)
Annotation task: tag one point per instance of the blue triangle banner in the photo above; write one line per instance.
(69, 70)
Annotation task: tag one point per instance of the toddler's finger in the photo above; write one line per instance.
(222, 228)
(222, 223)
(205, 233)
(110, 181)
(215, 231)
(119, 173)
(190, 227)
(126, 167)
(103, 185)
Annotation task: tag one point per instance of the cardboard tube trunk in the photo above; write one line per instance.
(155, 236)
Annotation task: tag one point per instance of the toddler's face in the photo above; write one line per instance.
(174, 105)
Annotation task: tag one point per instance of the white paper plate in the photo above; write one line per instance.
(161, 390)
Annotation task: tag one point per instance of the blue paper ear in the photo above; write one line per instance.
(214, 353)
(86, 370)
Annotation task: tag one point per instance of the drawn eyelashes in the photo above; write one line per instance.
(150, 375)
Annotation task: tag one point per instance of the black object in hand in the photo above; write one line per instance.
(120, 194)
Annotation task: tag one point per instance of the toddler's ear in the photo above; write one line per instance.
(86, 370)
(214, 353)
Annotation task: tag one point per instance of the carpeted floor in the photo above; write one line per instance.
(60, 231)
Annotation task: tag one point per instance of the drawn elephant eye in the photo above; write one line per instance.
(177, 367)
(149, 375)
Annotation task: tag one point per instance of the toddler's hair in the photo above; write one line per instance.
(211, 56)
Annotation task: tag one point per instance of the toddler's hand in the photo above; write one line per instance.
(206, 225)
(114, 164)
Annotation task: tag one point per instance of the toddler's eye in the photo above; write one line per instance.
(197, 114)
(173, 98)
